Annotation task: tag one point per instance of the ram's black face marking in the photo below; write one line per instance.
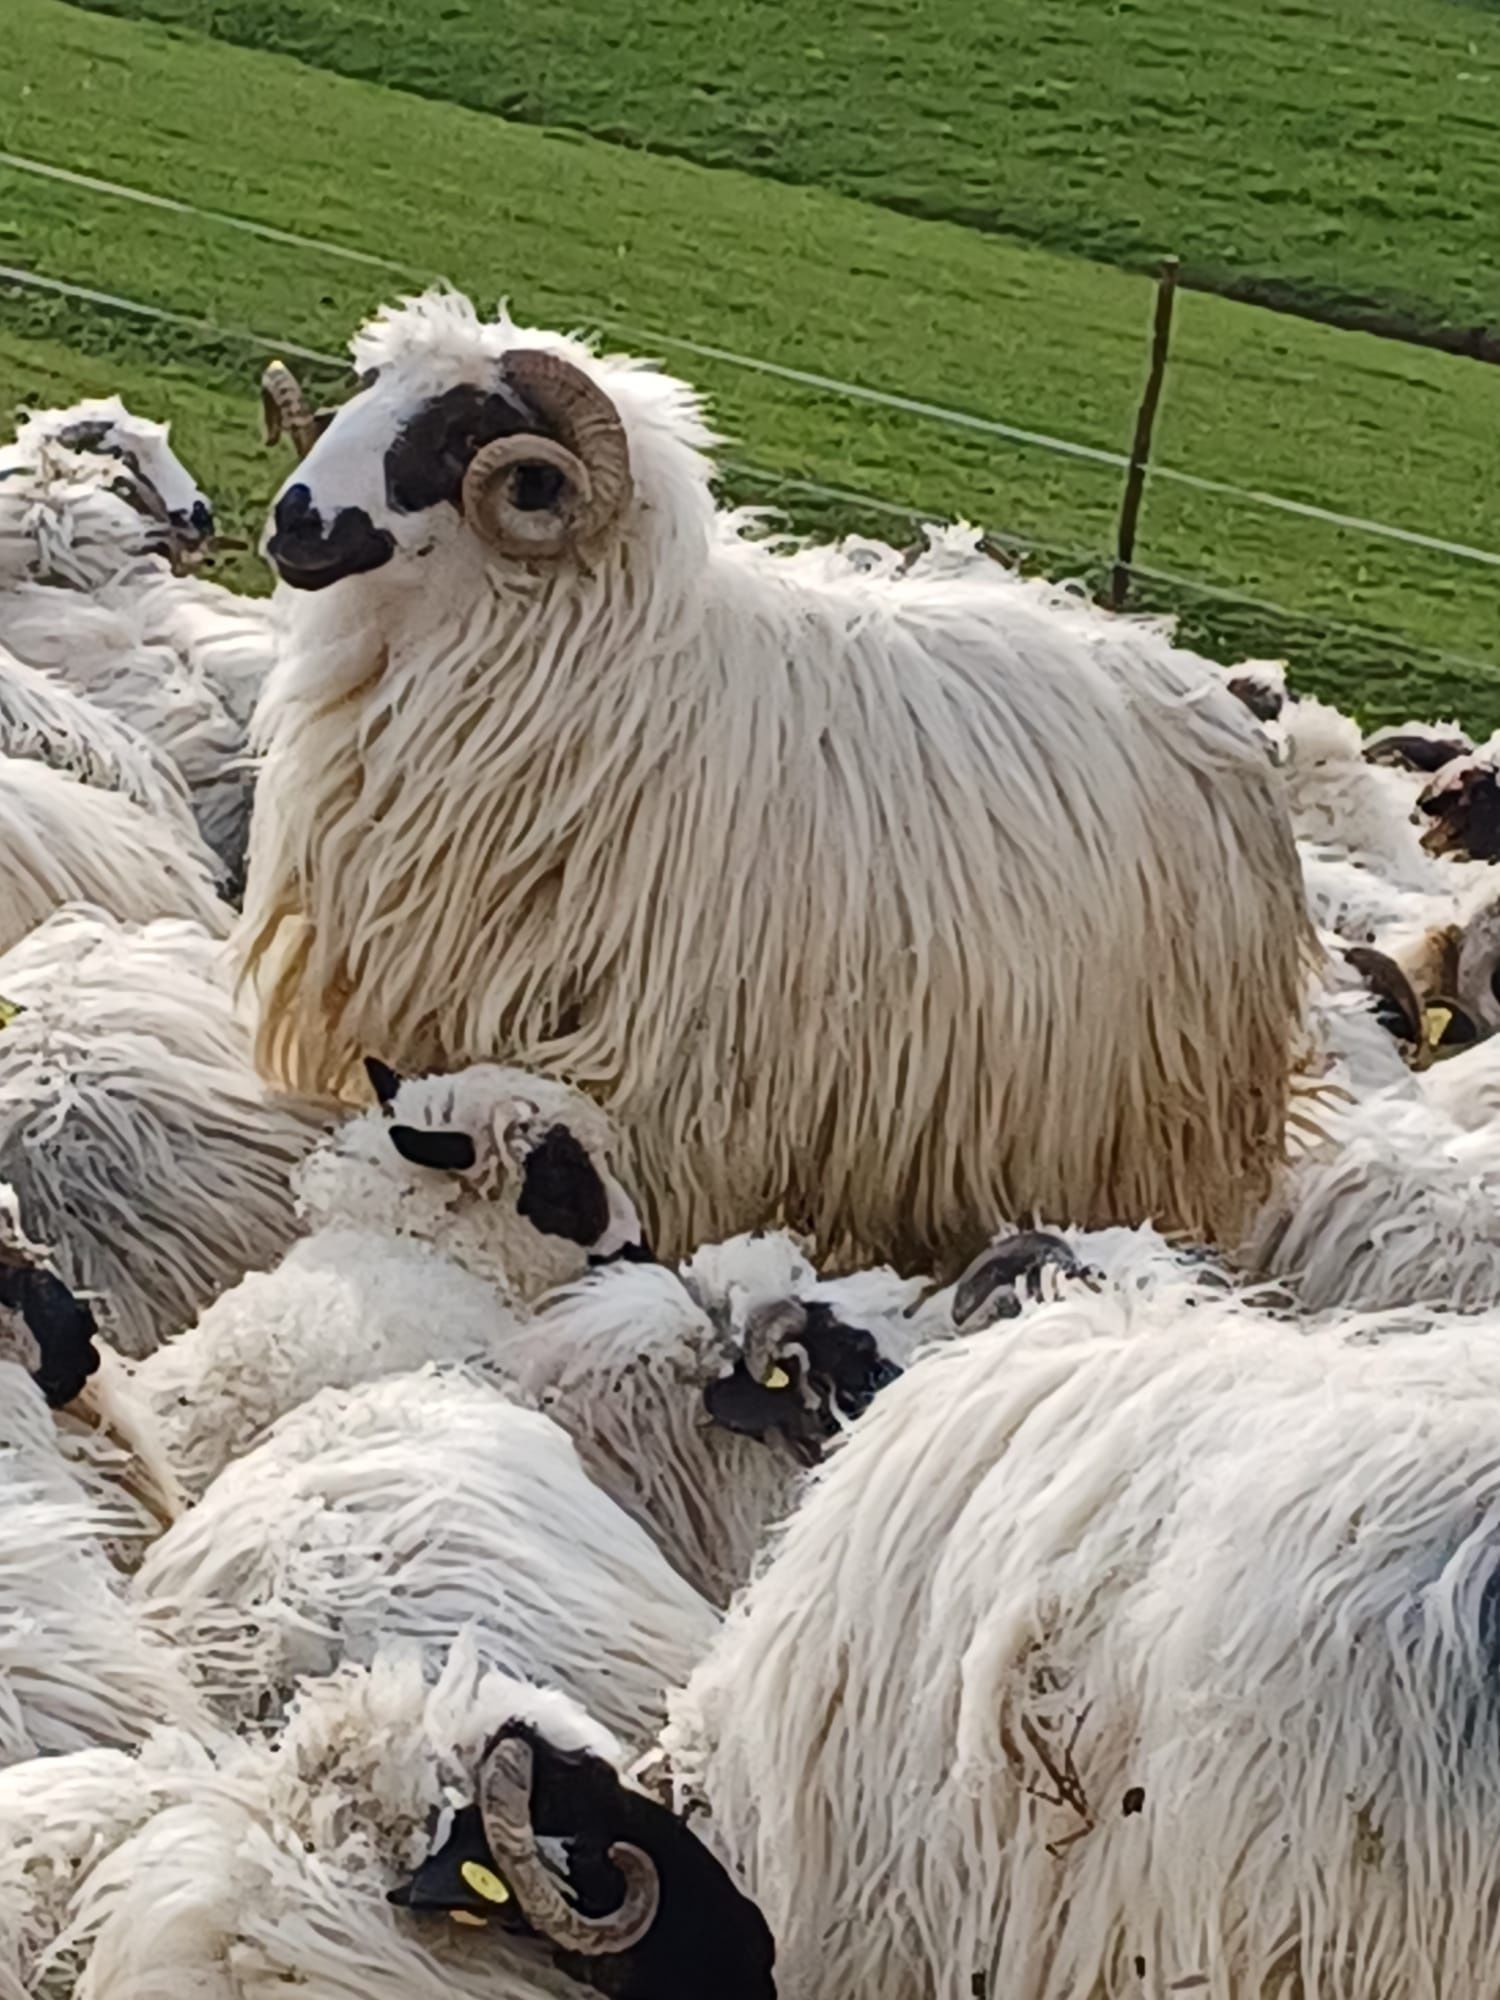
(426, 462)
(62, 1327)
(562, 1193)
(444, 1152)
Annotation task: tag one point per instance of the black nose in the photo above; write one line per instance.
(310, 554)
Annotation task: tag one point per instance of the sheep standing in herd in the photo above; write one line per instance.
(560, 760)
(412, 1585)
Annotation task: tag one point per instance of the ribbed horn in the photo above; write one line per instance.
(286, 410)
(505, 1809)
(537, 518)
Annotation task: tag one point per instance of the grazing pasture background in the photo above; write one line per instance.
(948, 208)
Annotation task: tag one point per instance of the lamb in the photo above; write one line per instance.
(1119, 1647)
(402, 1841)
(413, 1505)
(407, 1260)
(676, 754)
(141, 1146)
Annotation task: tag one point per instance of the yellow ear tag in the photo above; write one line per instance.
(468, 1917)
(777, 1379)
(1436, 1021)
(9, 1012)
(484, 1882)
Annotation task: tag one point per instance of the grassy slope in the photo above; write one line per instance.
(1334, 152)
(576, 232)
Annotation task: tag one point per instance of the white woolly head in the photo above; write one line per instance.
(386, 486)
(102, 427)
(509, 1173)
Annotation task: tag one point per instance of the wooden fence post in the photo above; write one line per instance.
(1145, 423)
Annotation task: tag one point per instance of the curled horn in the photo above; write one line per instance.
(1390, 984)
(505, 1810)
(286, 410)
(590, 453)
(767, 1330)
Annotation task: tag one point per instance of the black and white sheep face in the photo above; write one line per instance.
(565, 1187)
(517, 459)
(1460, 809)
(801, 1374)
(157, 477)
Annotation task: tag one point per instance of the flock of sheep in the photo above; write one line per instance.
(725, 1269)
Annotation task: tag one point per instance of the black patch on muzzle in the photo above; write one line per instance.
(444, 1152)
(309, 555)
(562, 1193)
(62, 1327)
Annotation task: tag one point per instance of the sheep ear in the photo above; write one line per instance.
(383, 1080)
(445, 1152)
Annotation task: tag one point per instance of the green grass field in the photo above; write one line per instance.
(1342, 155)
(579, 232)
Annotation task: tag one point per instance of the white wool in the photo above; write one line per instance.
(1392, 1204)
(810, 872)
(230, 641)
(141, 1145)
(78, 1666)
(66, 842)
(114, 647)
(412, 1506)
(58, 1817)
(42, 718)
(1466, 1088)
(1364, 906)
(1339, 802)
(343, 1307)
(1232, 1584)
(271, 1875)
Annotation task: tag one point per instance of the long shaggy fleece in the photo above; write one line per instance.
(78, 1666)
(1119, 1652)
(116, 649)
(59, 1817)
(142, 1147)
(270, 1876)
(891, 903)
(411, 1507)
(1393, 1203)
(42, 718)
(65, 842)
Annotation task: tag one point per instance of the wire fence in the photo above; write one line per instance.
(1081, 558)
